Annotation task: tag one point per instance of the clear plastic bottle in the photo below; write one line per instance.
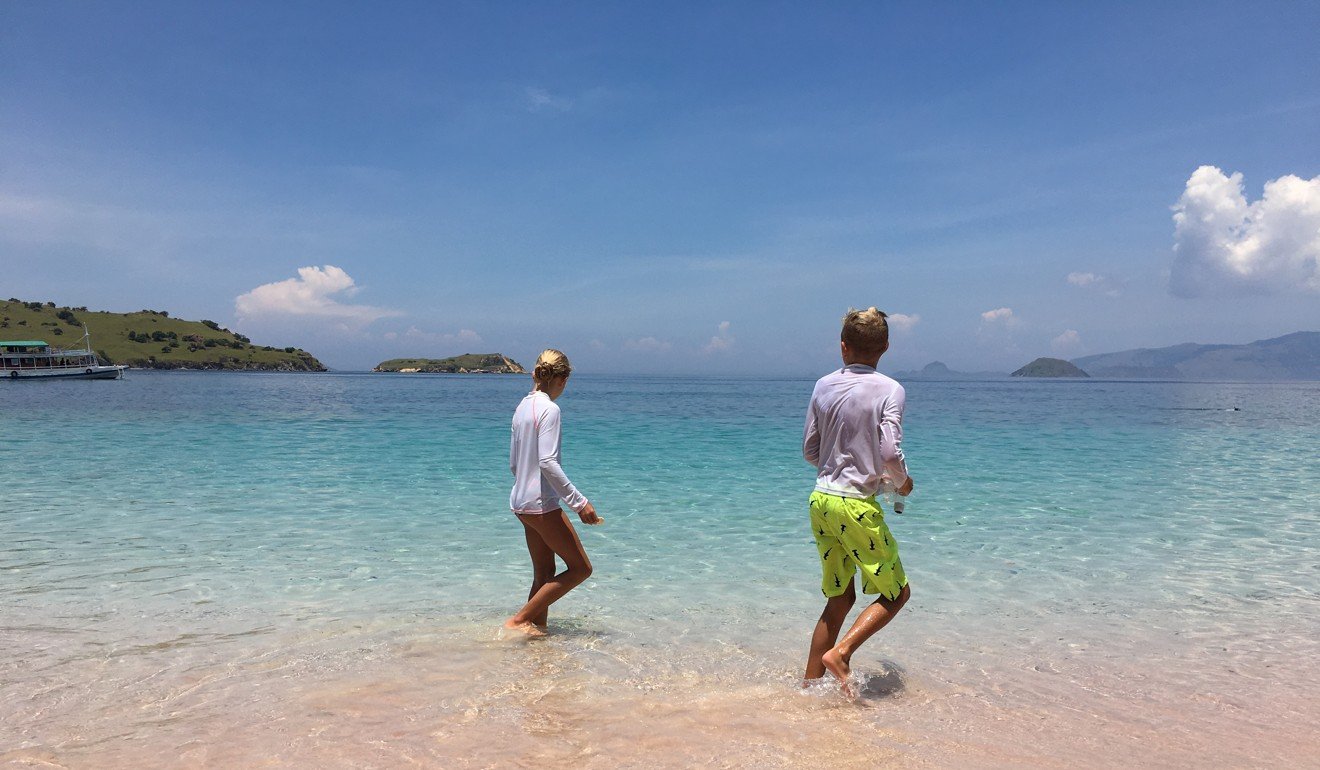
(893, 498)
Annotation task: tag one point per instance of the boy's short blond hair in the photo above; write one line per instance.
(866, 332)
(551, 364)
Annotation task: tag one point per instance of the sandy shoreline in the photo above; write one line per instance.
(413, 696)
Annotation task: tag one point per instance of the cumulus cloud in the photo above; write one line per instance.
(902, 321)
(647, 345)
(1067, 342)
(1110, 286)
(1225, 245)
(413, 334)
(722, 340)
(314, 294)
(998, 325)
(1000, 316)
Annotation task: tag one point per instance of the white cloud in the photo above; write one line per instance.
(1067, 342)
(1224, 245)
(998, 325)
(1110, 286)
(540, 100)
(902, 321)
(647, 345)
(596, 345)
(312, 293)
(721, 341)
(415, 335)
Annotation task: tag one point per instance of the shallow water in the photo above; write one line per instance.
(219, 570)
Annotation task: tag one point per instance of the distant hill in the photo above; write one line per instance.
(468, 363)
(148, 339)
(1049, 367)
(1290, 357)
(936, 370)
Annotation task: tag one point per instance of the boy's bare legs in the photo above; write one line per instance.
(827, 631)
(872, 619)
(556, 533)
(543, 568)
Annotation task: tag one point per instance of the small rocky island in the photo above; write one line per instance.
(468, 363)
(1050, 367)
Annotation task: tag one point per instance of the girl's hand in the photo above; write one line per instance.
(588, 515)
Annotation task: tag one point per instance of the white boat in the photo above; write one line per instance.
(35, 359)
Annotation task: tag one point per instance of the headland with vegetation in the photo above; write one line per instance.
(148, 339)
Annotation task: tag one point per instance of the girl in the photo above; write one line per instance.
(539, 486)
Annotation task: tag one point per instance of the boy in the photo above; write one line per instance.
(853, 437)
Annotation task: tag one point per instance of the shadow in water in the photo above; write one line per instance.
(885, 683)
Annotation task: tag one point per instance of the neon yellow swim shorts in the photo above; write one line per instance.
(851, 533)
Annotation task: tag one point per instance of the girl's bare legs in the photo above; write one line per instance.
(543, 568)
(872, 619)
(559, 536)
(827, 631)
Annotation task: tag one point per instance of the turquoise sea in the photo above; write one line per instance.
(288, 570)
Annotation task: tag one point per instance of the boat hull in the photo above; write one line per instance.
(65, 373)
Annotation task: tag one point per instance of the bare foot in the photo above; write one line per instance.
(836, 664)
(529, 629)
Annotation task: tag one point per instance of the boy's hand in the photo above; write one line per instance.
(589, 516)
(906, 489)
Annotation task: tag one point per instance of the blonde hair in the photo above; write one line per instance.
(551, 364)
(866, 332)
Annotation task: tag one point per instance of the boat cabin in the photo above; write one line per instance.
(36, 354)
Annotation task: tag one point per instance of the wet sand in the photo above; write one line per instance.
(407, 694)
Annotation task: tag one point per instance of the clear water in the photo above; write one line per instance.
(220, 570)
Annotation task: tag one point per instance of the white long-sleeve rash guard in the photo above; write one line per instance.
(854, 432)
(539, 482)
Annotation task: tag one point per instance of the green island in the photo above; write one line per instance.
(148, 339)
(468, 363)
(1050, 367)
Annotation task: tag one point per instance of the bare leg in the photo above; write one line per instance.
(543, 568)
(872, 619)
(555, 531)
(827, 631)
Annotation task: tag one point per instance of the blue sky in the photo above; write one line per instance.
(673, 188)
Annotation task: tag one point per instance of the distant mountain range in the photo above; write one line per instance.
(1290, 357)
